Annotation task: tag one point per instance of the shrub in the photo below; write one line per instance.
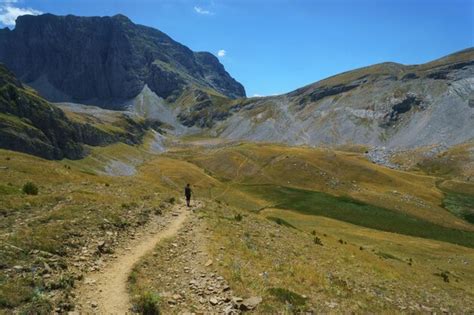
(30, 189)
(148, 303)
(317, 241)
(172, 200)
(40, 304)
(444, 275)
(313, 232)
(238, 217)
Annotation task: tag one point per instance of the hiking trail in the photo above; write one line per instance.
(105, 292)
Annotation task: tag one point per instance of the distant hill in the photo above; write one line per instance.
(106, 60)
(387, 104)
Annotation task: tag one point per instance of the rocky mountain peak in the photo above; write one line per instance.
(106, 60)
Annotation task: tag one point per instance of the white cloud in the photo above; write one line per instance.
(202, 11)
(257, 95)
(9, 12)
(221, 53)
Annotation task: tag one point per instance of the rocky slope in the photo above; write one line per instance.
(30, 124)
(106, 60)
(386, 104)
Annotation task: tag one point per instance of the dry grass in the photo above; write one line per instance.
(334, 172)
(390, 273)
(75, 199)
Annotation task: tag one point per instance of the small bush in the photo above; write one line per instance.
(148, 304)
(444, 275)
(317, 241)
(7, 158)
(238, 217)
(132, 278)
(172, 200)
(121, 223)
(313, 232)
(63, 282)
(40, 304)
(30, 189)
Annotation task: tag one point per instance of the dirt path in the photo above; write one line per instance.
(106, 292)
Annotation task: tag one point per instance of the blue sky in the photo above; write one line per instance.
(276, 46)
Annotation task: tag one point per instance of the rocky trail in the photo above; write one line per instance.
(185, 274)
(105, 291)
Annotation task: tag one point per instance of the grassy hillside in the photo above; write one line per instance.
(336, 173)
(360, 213)
(270, 208)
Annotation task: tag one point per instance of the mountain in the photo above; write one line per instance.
(113, 63)
(106, 60)
(30, 124)
(386, 104)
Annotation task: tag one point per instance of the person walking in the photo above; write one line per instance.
(187, 194)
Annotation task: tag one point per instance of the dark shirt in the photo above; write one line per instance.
(187, 192)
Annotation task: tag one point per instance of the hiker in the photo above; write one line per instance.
(187, 194)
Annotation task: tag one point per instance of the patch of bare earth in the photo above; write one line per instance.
(105, 291)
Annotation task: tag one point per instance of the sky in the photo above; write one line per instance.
(276, 46)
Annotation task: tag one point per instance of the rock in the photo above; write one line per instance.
(89, 281)
(250, 303)
(208, 263)
(229, 310)
(94, 304)
(213, 301)
(332, 304)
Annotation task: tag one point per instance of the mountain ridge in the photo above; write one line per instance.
(380, 105)
(100, 59)
(126, 66)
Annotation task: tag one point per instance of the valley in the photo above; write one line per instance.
(352, 194)
(329, 218)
